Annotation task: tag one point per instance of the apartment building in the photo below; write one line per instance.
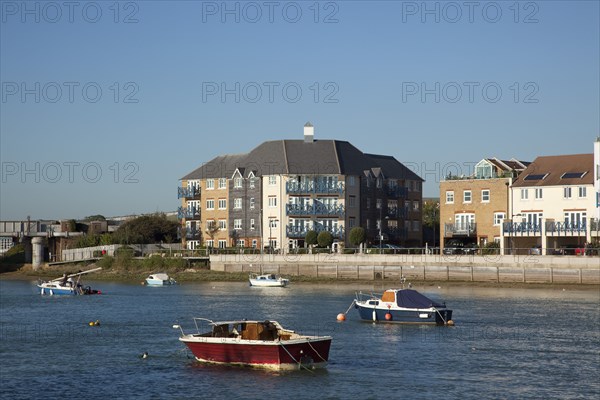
(280, 190)
(554, 205)
(472, 209)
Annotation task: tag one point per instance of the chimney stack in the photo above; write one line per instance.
(309, 133)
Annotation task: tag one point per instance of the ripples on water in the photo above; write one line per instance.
(507, 343)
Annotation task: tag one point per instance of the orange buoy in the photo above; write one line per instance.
(341, 317)
(388, 316)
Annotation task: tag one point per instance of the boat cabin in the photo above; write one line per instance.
(250, 330)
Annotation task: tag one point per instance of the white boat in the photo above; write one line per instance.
(66, 285)
(268, 280)
(160, 279)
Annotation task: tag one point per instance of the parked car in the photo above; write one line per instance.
(471, 248)
(454, 247)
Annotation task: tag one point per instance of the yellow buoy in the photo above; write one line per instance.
(341, 317)
(450, 322)
(91, 323)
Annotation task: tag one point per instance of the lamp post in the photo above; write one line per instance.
(380, 226)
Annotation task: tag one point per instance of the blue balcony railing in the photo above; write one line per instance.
(188, 213)
(316, 187)
(293, 231)
(397, 191)
(315, 209)
(522, 228)
(595, 226)
(566, 227)
(187, 192)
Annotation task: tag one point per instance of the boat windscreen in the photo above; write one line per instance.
(409, 298)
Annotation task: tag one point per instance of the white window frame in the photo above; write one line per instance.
(449, 196)
(237, 203)
(222, 244)
(539, 193)
(209, 243)
(272, 201)
(524, 194)
(210, 204)
(241, 243)
(223, 224)
(238, 183)
(222, 204)
(237, 224)
(485, 193)
(567, 192)
(467, 193)
(222, 183)
(210, 184)
(273, 222)
(252, 224)
(252, 202)
(272, 180)
(499, 217)
(582, 192)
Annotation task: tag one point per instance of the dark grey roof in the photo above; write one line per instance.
(300, 157)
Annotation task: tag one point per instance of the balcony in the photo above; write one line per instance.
(554, 228)
(292, 231)
(396, 191)
(461, 229)
(395, 232)
(522, 229)
(320, 209)
(188, 192)
(309, 187)
(595, 227)
(396, 212)
(188, 213)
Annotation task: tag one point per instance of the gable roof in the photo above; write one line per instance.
(551, 170)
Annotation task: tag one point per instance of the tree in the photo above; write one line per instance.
(325, 239)
(96, 217)
(431, 216)
(154, 228)
(311, 238)
(357, 235)
(212, 231)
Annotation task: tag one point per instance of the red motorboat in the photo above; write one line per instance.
(263, 344)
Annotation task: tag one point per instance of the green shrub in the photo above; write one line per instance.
(325, 239)
(357, 235)
(311, 238)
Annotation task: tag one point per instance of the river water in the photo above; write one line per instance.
(507, 343)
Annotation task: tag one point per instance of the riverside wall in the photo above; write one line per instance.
(419, 267)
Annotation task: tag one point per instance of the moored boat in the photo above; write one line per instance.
(264, 344)
(402, 306)
(268, 280)
(160, 279)
(67, 285)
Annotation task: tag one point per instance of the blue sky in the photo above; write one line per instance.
(419, 81)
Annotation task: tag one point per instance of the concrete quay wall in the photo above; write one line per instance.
(466, 268)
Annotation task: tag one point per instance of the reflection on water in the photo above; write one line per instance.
(507, 343)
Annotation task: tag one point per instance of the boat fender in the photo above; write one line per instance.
(374, 315)
(388, 316)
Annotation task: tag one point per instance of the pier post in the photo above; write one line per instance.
(37, 244)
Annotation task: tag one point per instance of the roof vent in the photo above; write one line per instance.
(309, 133)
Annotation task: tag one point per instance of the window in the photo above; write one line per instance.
(352, 222)
(368, 203)
(222, 183)
(272, 180)
(352, 201)
(241, 243)
(237, 203)
(582, 191)
(538, 193)
(368, 181)
(272, 201)
(192, 244)
(368, 223)
(237, 183)
(466, 196)
(379, 182)
(416, 225)
(222, 204)
(378, 204)
(252, 226)
(209, 243)
(237, 224)
(210, 225)
(449, 197)
(485, 196)
(254, 243)
(210, 184)
(222, 224)
(576, 219)
(273, 223)
(351, 181)
(415, 206)
(524, 194)
(252, 203)
(210, 204)
(222, 244)
(498, 218)
(252, 182)
(567, 193)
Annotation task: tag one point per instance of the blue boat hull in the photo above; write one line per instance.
(57, 291)
(439, 317)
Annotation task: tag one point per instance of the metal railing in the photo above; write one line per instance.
(315, 209)
(188, 213)
(317, 187)
(293, 231)
(188, 192)
(462, 229)
(566, 227)
(522, 228)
